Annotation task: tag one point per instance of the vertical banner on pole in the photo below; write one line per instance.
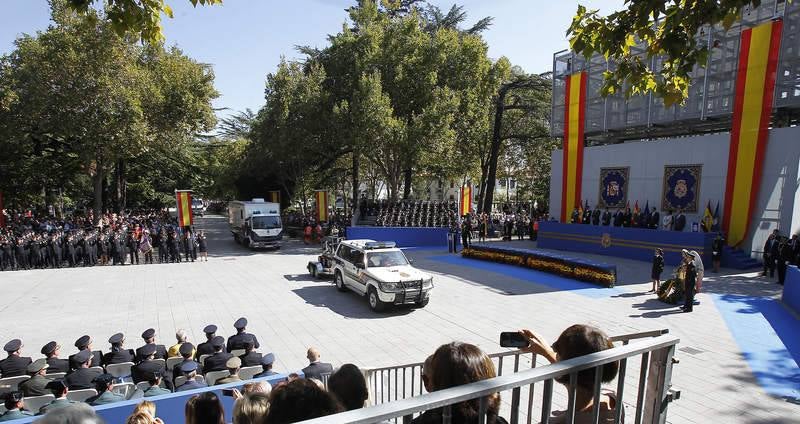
(184, 201)
(321, 197)
(274, 196)
(752, 110)
(574, 119)
(465, 202)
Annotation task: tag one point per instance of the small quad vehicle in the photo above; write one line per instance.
(323, 266)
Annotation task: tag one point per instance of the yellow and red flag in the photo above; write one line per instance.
(274, 196)
(755, 85)
(184, 201)
(465, 204)
(574, 119)
(321, 197)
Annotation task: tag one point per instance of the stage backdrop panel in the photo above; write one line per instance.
(613, 187)
(681, 188)
(403, 236)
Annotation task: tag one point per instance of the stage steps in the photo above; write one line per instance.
(738, 259)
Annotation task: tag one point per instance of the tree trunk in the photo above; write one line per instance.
(97, 183)
(355, 170)
(407, 184)
(495, 150)
(120, 189)
(482, 189)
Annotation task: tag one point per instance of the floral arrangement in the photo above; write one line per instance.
(543, 262)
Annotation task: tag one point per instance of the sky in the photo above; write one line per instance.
(244, 40)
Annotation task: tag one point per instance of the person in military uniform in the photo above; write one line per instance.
(15, 407)
(81, 378)
(160, 240)
(236, 341)
(85, 343)
(251, 358)
(680, 221)
(794, 245)
(596, 215)
(587, 215)
(627, 217)
(174, 254)
(784, 258)
(149, 337)
(54, 247)
(606, 219)
(54, 364)
(34, 252)
(118, 354)
(655, 219)
(187, 352)
(7, 253)
(216, 362)
(769, 260)
(689, 283)
(618, 218)
(59, 389)
(133, 247)
(716, 251)
(206, 348)
(155, 389)
(233, 365)
(37, 384)
(266, 366)
(576, 216)
(189, 369)
(14, 365)
(148, 365)
(103, 383)
(21, 252)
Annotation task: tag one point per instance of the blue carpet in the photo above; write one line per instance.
(552, 281)
(767, 335)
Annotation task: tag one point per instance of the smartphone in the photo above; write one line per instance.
(513, 339)
(227, 392)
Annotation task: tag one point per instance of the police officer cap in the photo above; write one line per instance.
(116, 338)
(83, 356)
(189, 366)
(50, 348)
(14, 396)
(13, 345)
(37, 365)
(218, 341)
(56, 384)
(240, 323)
(233, 362)
(148, 349)
(268, 359)
(249, 341)
(104, 378)
(149, 333)
(82, 342)
(210, 329)
(186, 349)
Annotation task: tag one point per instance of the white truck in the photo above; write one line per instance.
(256, 223)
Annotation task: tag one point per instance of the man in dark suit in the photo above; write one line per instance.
(266, 366)
(680, 221)
(148, 365)
(216, 362)
(189, 369)
(55, 364)
(251, 358)
(769, 260)
(606, 221)
(784, 258)
(149, 337)
(587, 216)
(117, 354)
(655, 219)
(794, 246)
(596, 215)
(14, 365)
(627, 217)
(236, 341)
(315, 368)
(206, 348)
(618, 218)
(186, 352)
(37, 384)
(85, 343)
(82, 377)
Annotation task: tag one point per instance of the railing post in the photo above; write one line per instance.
(368, 375)
(659, 381)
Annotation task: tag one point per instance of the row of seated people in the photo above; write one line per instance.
(452, 364)
(416, 213)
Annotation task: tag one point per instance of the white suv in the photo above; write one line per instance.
(382, 272)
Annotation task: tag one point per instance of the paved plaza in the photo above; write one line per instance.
(289, 311)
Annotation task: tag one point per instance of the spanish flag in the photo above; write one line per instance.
(321, 197)
(752, 110)
(466, 200)
(184, 201)
(708, 218)
(574, 119)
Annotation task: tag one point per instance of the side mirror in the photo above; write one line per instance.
(360, 265)
(411, 261)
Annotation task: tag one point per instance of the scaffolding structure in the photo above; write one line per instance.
(709, 106)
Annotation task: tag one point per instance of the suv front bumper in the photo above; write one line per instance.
(408, 296)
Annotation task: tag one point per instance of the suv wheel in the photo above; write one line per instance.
(423, 303)
(339, 282)
(375, 302)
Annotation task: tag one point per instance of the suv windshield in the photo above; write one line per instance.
(389, 258)
(266, 222)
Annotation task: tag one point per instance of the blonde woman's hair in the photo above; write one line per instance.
(147, 407)
(140, 417)
(251, 408)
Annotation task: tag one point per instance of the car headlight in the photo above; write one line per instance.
(390, 287)
(427, 283)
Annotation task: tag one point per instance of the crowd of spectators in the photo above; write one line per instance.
(29, 241)
(412, 213)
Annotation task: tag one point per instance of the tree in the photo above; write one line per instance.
(141, 18)
(668, 28)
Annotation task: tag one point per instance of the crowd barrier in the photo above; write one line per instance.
(791, 289)
(621, 242)
(403, 236)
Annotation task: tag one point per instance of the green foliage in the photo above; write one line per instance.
(668, 28)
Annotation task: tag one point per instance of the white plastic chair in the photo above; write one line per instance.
(203, 359)
(13, 381)
(34, 404)
(124, 389)
(143, 385)
(247, 373)
(81, 395)
(171, 362)
(120, 370)
(213, 376)
(238, 352)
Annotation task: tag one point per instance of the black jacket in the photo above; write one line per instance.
(142, 370)
(117, 357)
(81, 378)
(14, 366)
(161, 353)
(236, 341)
(97, 360)
(316, 370)
(216, 362)
(204, 348)
(251, 359)
(57, 365)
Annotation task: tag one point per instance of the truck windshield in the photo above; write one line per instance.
(383, 259)
(266, 222)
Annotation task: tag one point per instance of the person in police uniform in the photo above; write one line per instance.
(149, 337)
(186, 351)
(216, 362)
(118, 354)
(587, 216)
(148, 366)
(606, 220)
(266, 366)
(59, 389)
(189, 369)
(236, 341)
(54, 364)
(206, 348)
(251, 358)
(103, 383)
(82, 377)
(596, 215)
(37, 384)
(14, 365)
(85, 343)
(155, 389)
(680, 221)
(576, 216)
(14, 403)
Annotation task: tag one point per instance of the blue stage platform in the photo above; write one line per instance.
(403, 236)
(791, 290)
(629, 243)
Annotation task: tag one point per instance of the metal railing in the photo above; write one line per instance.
(651, 401)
